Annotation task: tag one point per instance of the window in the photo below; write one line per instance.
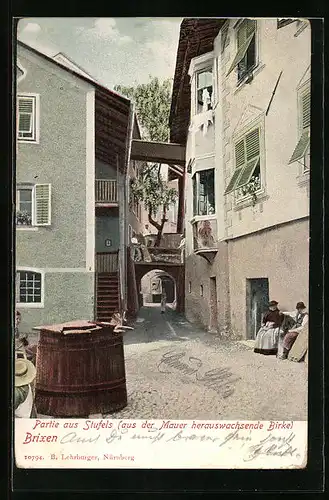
(245, 58)
(204, 192)
(302, 150)
(24, 206)
(282, 21)
(204, 90)
(33, 205)
(27, 118)
(201, 290)
(189, 287)
(29, 285)
(246, 178)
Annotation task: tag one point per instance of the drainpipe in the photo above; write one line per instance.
(124, 213)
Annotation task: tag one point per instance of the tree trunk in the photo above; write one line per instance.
(158, 227)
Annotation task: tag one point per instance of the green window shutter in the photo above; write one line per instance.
(306, 109)
(252, 144)
(42, 204)
(301, 147)
(240, 156)
(240, 54)
(247, 173)
(235, 177)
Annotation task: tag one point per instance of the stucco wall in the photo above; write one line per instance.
(67, 297)
(58, 159)
(198, 272)
(277, 50)
(281, 255)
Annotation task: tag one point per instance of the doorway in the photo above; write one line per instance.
(213, 326)
(257, 303)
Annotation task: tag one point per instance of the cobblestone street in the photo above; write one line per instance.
(176, 371)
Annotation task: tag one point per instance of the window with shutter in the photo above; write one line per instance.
(42, 204)
(27, 118)
(245, 58)
(247, 164)
(302, 147)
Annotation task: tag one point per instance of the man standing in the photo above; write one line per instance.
(300, 321)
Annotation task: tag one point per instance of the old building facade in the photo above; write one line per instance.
(247, 135)
(72, 176)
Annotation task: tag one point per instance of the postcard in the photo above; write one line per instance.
(162, 243)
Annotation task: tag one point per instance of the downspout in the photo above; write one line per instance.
(125, 210)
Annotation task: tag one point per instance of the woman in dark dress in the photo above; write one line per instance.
(268, 335)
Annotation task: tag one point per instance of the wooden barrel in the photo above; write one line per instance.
(80, 374)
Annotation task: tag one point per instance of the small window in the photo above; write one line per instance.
(245, 58)
(24, 205)
(246, 178)
(29, 287)
(204, 192)
(302, 149)
(27, 118)
(189, 287)
(201, 290)
(33, 205)
(204, 90)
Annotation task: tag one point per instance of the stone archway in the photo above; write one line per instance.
(175, 271)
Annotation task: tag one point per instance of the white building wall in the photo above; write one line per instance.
(285, 197)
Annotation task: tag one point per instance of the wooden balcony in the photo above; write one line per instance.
(106, 193)
(107, 262)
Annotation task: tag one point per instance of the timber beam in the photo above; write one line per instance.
(158, 152)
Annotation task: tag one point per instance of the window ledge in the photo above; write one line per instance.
(24, 141)
(21, 227)
(241, 84)
(247, 201)
(197, 218)
(30, 305)
(303, 179)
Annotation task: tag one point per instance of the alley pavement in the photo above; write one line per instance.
(175, 370)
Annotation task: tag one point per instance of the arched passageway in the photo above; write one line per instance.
(153, 283)
(171, 277)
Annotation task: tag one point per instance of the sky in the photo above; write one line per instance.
(114, 51)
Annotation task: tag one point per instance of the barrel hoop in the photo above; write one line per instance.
(102, 386)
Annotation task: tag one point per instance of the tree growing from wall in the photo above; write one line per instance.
(152, 104)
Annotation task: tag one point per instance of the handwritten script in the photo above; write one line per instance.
(219, 379)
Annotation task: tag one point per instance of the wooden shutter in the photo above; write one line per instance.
(301, 148)
(25, 117)
(240, 156)
(252, 144)
(42, 204)
(247, 152)
(306, 109)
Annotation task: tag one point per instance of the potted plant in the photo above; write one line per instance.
(23, 218)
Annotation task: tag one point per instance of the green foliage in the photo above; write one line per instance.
(152, 101)
(152, 105)
(150, 189)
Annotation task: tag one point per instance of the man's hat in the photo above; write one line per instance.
(300, 305)
(273, 303)
(25, 372)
